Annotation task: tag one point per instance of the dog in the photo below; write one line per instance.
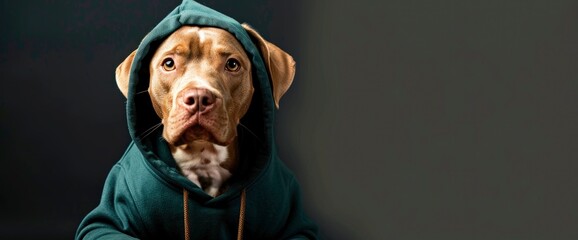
(202, 91)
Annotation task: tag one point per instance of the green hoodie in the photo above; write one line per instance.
(143, 196)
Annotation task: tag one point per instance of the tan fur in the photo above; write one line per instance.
(203, 142)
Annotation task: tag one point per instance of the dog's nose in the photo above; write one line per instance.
(198, 99)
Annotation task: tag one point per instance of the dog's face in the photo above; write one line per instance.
(200, 85)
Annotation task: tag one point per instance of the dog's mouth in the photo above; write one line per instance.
(195, 133)
(196, 128)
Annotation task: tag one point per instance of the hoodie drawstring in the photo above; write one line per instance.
(186, 213)
(241, 214)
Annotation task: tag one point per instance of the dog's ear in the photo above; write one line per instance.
(123, 72)
(280, 65)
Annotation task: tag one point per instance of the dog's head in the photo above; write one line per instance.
(201, 82)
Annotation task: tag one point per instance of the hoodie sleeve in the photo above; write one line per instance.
(116, 216)
(299, 225)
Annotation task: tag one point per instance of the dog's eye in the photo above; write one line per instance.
(169, 64)
(233, 65)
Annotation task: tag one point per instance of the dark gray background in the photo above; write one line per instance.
(406, 120)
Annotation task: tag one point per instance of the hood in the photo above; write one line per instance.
(256, 129)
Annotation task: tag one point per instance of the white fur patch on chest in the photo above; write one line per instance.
(201, 163)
